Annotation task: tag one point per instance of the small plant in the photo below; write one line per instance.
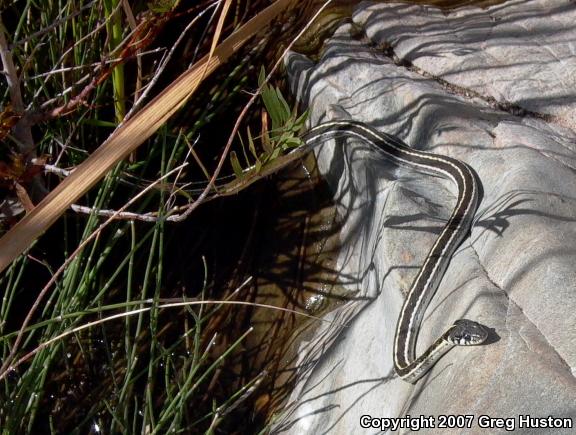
(275, 141)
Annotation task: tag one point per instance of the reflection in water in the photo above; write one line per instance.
(295, 269)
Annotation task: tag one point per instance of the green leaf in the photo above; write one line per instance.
(283, 108)
(292, 142)
(251, 143)
(275, 153)
(273, 107)
(301, 120)
(236, 164)
(285, 125)
(261, 76)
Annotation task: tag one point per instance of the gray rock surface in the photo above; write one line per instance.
(496, 89)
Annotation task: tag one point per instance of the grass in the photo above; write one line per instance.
(91, 336)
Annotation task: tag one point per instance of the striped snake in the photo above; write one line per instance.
(462, 332)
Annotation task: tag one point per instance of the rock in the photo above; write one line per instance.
(518, 53)
(495, 88)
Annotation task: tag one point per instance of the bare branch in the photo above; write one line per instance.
(10, 72)
(22, 130)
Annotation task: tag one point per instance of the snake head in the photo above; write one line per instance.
(467, 333)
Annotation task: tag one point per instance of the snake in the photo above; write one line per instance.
(463, 332)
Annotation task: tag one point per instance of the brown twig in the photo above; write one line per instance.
(22, 131)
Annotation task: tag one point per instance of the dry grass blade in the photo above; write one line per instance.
(125, 140)
(217, 34)
(219, 26)
(136, 311)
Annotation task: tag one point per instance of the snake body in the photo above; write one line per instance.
(462, 332)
